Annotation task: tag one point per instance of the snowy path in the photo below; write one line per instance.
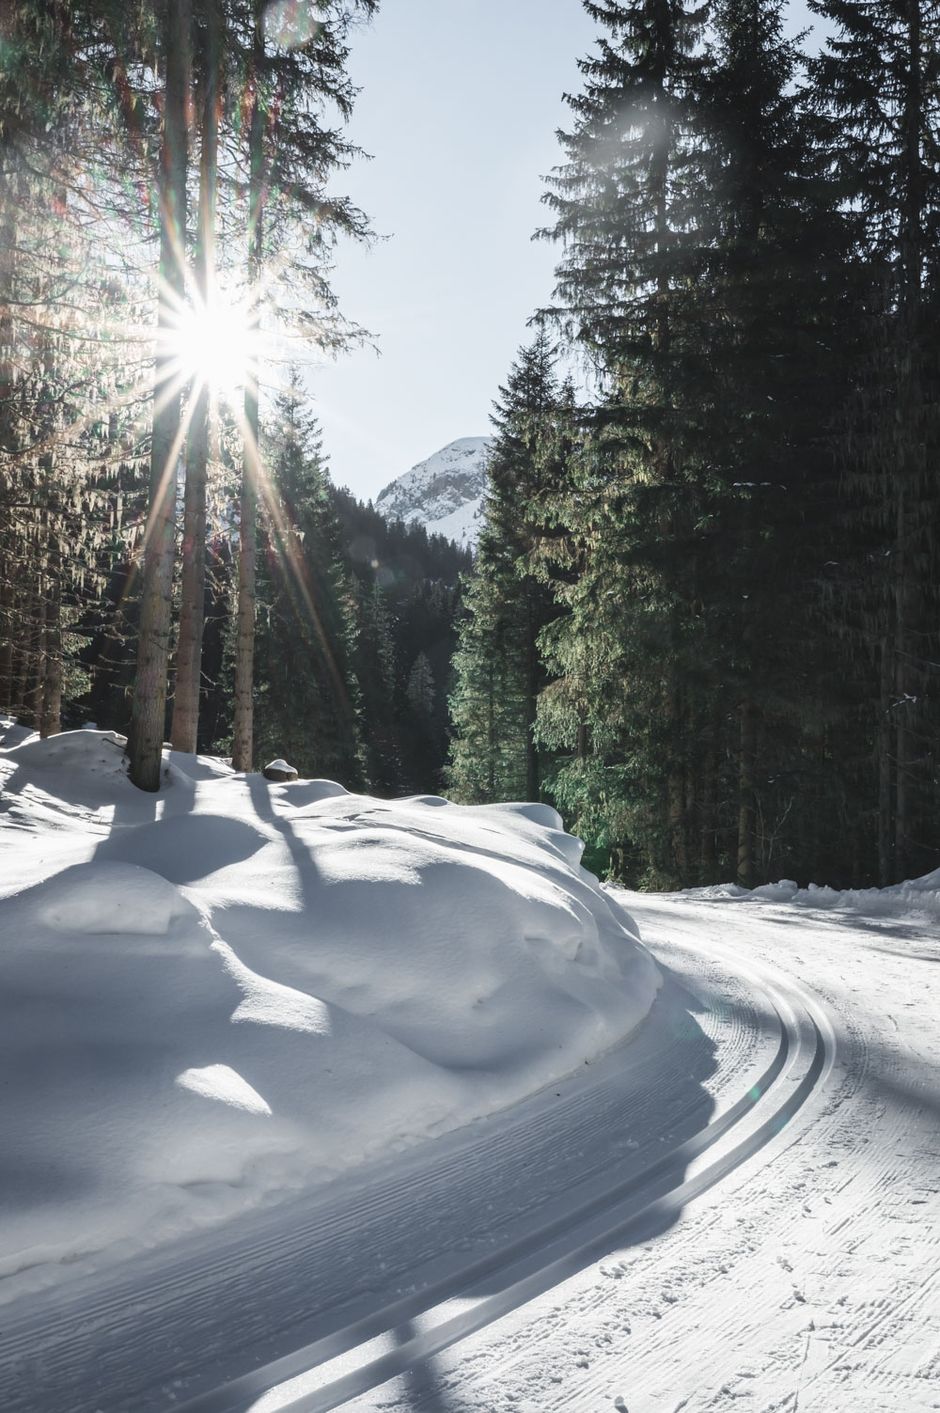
(588, 1233)
(809, 1279)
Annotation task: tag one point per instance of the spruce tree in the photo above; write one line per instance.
(309, 696)
(498, 664)
(877, 82)
(627, 205)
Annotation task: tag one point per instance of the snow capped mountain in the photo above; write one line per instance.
(444, 493)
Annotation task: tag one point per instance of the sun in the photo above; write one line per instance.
(215, 345)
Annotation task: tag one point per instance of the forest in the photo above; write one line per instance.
(702, 619)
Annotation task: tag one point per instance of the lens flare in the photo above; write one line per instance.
(214, 345)
(291, 24)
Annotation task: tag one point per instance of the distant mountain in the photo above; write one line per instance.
(444, 493)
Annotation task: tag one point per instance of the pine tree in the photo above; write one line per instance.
(309, 698)
(877, 81)
(627, 205)
(774, 299)
(498, 664)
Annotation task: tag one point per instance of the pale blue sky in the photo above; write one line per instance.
(459, 105)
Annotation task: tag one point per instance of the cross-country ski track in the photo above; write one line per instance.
(737, 1209)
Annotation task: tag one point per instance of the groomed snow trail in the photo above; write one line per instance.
(808, 1280)
(737, 1209)
(172, 1325)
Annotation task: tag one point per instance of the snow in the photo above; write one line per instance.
(444, 493)
(233, 990)
(738, 1208)
(915, 897)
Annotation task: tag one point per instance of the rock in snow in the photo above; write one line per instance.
(279, 770)
(444, 493)
(236, 989)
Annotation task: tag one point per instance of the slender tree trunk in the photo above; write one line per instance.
(676, 786)
(185, 728)
(50, 721)
(242, 743)
(532, 672)
(37, 659)
(7, 621)
(746, 754)
(148, 716)
(885, 757)
(908, 478)
(6, 673)
(709, 806)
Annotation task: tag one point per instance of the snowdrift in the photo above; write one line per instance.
(915, 897)
(236, 989)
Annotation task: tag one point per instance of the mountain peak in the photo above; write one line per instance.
(444, 493)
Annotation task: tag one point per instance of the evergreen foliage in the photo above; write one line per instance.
(308, 701)
(498, 668)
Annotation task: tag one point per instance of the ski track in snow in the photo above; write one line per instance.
(807, 1279)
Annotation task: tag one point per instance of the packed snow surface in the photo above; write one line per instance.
(233, 989)
(444, 493)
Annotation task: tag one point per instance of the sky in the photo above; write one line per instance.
(459, 105)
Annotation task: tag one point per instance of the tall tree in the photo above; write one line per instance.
(498, 664)
(628, 212)
(193, 578)
(148, 719)
(307, 631)
(879, 82)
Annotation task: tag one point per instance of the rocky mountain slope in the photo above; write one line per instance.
(444, 493)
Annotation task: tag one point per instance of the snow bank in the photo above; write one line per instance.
(916, 897)
(237, 988)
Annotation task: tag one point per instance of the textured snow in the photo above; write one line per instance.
(234, 989)
(915, 897)
(444, 493)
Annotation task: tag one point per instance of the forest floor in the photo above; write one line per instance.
(735, 1207)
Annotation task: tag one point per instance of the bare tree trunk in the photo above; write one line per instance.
(148, 717)
(708, 858)
(884, 747)
(532, 781)
(746, 754)
(242, 743)
(185, 728)
(50, 720)
(908, 479)
(7, 621)
(37, 659)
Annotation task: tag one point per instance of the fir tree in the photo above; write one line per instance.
(309, 698)
(877, 82)
(498, 665)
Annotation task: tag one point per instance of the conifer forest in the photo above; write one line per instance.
(703, 615)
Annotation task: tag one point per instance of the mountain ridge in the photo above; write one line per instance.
(444, 492)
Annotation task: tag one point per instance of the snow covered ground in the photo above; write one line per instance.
(237, 989)
(739, 1208)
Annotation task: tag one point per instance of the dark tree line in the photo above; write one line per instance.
(733, 666)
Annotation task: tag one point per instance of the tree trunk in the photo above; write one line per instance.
(746, 754)
(7, 621)
(910, 417)
(242, 743)
(148, 716)
(708, 863)
(37, 660)
(50, 721)
(532, 674)
(185, 728)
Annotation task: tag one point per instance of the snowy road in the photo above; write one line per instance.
(738, 1209)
